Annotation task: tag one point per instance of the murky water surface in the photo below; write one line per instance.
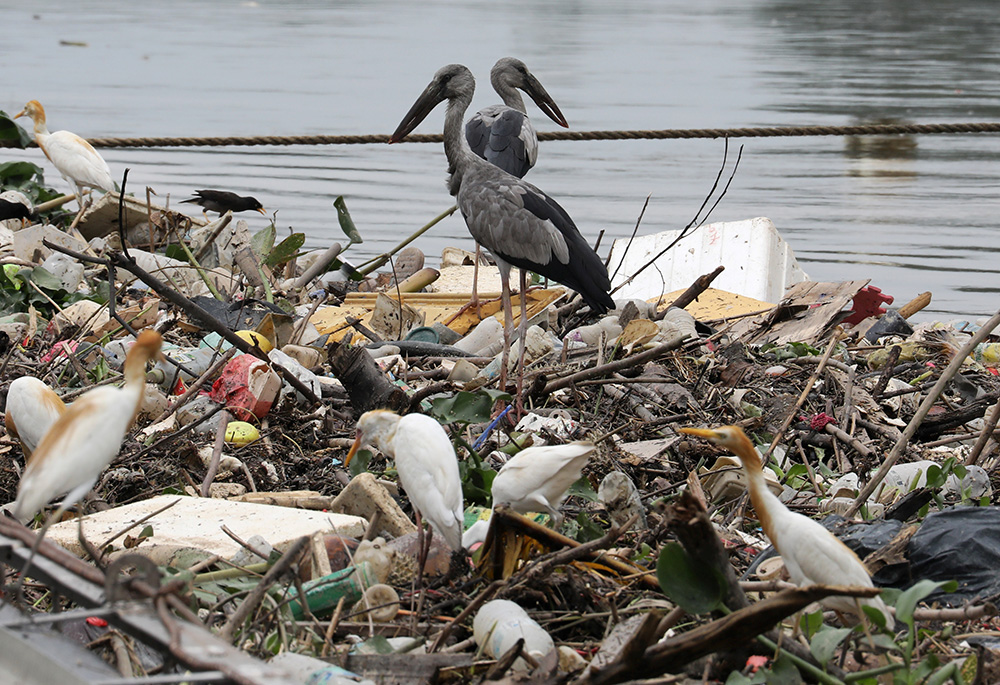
(912, 214)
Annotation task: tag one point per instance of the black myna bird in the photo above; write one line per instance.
(222, 201)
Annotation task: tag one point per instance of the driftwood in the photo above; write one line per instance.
(699, 286)
(366, 384)
(738, 627)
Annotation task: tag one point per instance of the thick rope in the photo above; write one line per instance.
(762, 132)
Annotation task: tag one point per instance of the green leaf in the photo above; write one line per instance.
(175, 251)
(10, 131)
(467, 407)
(583, 488)
(477, 483)
(263, 240)
(784, 672)
(909, 599)
(359, 462)
(811, 623)
(694, 589)
(286, 249)
(44, 279)
(586, 528)
(346, 222)
(824, 643)
(19, 173)
(876, 616)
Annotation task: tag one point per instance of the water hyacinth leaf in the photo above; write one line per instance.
(824, 643)
(17, 174)
(44, 279)
(467, 407)
(359, 463)
(346, 222)
(11, 132)
(686, 584)
(909, 599)
(477, 483)
(286, 249)
(784, 672)
(263, 240)
(583, 488)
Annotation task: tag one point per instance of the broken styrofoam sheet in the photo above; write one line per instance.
(759, 262)
(196, 522)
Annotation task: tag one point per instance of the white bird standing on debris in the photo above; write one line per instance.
(75, 158)
(425, 462)
(537, 478)
(812, 554)
(32, 407)
(83, 441)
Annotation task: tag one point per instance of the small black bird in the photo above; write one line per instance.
(222, 201)
(13, 210)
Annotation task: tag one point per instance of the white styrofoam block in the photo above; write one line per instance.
(197, 522)
(759, 263)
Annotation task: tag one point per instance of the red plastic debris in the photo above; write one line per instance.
(819, 421)
(247, 387)
(61, 349)
(756, 662)
(97, 622)
(868, 302)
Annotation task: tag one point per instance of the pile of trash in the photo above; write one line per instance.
(230, 521)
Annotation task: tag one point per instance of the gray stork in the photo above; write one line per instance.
(503, 134)
(518, 223)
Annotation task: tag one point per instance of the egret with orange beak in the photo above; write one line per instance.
(75, 159)
(425, 462)
(83, 441)
(812, 554)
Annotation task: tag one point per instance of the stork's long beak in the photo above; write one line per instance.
(262, 211)
(537, 92)
(354, 450)
(427, 101)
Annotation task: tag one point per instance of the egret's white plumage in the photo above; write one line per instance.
(425, 462)
(75, 159)
(86, 437)
(536, 478)
(812, 554)
(32, 407)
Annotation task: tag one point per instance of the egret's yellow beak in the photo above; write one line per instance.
(21, 114)
(706, 433)
(354, 450)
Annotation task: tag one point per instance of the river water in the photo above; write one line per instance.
(912, 213)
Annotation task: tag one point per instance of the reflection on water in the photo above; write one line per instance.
(912, 213)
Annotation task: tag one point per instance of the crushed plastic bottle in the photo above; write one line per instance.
(500, 623)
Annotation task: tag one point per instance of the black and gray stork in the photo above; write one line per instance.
(518, 223)
(503, 134)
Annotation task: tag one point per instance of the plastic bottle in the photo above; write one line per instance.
(324, 593)
(500, 623)
(485, 340)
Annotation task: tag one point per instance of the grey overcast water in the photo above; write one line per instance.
(913, 214)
